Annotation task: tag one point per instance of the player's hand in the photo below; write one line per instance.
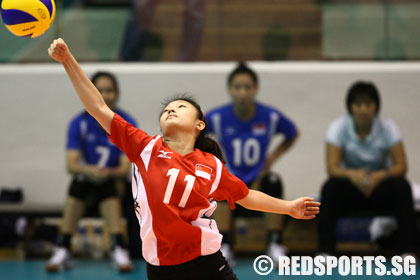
(374, 179)
(59, 50)
(304, 208)
(360, 178)
(94, 174)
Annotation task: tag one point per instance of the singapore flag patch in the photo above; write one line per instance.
(203, 171)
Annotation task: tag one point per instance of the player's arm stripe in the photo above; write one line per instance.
(83, 128)
(147, 152)
(216, 124)
(274, 118)
(218, 175)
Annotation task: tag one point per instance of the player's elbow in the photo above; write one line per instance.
(248, 201)
(94, 110)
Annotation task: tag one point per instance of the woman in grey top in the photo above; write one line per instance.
(366, 165)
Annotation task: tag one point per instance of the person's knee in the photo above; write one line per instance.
(72, 212)
(73, 208)
(111, 210)
(331, 188)
(272, 185)
(401, 188)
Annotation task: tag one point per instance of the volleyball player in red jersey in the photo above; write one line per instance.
(177, 177)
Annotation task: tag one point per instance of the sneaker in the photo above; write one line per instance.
(274, 251)
(60, 260)
(121, 259)
(227, 252)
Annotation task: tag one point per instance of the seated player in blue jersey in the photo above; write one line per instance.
(98, 167)
(245, 128)
(177, 178)
(366, 165)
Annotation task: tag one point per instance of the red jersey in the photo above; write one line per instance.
(175, 195)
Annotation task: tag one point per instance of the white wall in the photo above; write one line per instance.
(37, 102)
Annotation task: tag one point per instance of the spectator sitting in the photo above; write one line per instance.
(97, 167)
(366, 164)
(245, 128)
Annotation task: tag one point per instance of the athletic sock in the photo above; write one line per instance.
(117, 240)
(64, 240)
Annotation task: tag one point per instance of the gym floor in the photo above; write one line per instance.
(89, 269)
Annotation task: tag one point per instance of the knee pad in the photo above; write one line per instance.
(272, 185)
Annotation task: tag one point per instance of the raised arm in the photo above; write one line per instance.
(302, 208)
(91, 98)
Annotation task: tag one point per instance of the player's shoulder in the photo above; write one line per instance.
(223, 109)
(341, 123)
(387, 124)
(206, 157)
(83, 115)
(267, 109)
(126, 116)
(386, 121)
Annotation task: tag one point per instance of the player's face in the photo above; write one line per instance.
(107, 89)
(243, 89)
(363, 111)
(179, 115)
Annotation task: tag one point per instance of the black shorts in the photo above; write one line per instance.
(84, 190)
(209, 267)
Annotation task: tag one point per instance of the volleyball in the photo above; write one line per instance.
(28, 18)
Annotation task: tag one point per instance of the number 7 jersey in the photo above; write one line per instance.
(175, 195)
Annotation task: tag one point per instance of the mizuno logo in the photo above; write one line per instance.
(163, 154)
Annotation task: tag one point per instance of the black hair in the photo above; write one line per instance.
(361, 89)
(109, 75)
(203, 142)
(242, 68)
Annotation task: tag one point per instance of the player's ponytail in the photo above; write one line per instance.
(203, 142)
(207, 144)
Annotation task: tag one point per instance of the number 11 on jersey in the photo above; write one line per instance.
(173, 175)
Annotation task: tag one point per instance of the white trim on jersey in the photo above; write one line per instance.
(147, 152)
(83, 128)
(146, 226)
(218, 176)
(216, 119)
(211, 239)
(274, 118)
(145, 215)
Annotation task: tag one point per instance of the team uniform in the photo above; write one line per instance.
(86, 135)
(245, 144)
(175, 196)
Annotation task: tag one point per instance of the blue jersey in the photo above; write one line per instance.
(87, 135)
(245, 144)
